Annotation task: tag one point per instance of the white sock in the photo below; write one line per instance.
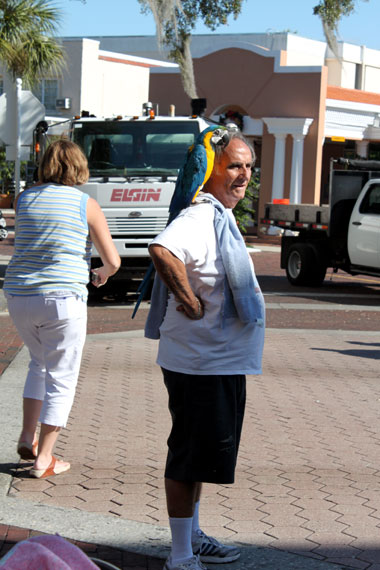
(195, 526)
(181, 539)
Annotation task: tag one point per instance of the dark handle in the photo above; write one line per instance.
(356, 223)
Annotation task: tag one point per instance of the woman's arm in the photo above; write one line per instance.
(101, 238)
(173, 273)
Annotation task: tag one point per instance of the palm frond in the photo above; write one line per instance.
(27, 48)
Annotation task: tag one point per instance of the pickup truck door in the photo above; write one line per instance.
(364, 227)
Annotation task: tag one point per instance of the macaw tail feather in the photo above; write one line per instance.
(143, 287)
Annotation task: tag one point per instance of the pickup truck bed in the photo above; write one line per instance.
(343, 235)
(304, 213)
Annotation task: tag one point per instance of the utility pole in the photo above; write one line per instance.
(18, 135)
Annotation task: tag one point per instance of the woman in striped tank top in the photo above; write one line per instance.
(46, 288)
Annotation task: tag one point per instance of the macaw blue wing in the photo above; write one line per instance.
(193, 175)
(196, 169)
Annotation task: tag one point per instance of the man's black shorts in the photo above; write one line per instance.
(207, 414)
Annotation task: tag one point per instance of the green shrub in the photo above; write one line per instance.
(243, 211)
(7, 172)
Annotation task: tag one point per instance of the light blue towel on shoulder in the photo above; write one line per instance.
(242, 295)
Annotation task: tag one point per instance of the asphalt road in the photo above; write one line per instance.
(342, 303)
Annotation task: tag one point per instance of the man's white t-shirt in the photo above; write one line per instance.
(205, 346)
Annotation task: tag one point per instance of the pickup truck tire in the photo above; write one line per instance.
(304, 266)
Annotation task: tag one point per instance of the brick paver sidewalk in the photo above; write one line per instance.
(307, 478)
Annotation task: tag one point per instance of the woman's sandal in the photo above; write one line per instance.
(56, 467)
(27, 450)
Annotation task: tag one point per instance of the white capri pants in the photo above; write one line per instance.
(53, 327)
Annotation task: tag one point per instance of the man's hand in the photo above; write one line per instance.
(195, 315)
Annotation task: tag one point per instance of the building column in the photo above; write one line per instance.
(279, 166)
(297, 169)
(280, 128)
(362, 148)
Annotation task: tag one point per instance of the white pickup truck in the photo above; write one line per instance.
(344, 234)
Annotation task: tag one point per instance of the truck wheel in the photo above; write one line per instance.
(304, 266)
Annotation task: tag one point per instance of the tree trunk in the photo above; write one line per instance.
(182, 55)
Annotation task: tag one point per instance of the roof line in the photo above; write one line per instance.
(355, 95)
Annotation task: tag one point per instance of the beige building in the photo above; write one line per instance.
(100, 82)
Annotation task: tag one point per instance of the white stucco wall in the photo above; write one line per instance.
(372, 79)
(350, 52)
(111, 83)
(79, 80)
(357, 62)
(123, 88)
(102, 83)
(91, 81)
(303, 51)
(334, 72)
(348, 75)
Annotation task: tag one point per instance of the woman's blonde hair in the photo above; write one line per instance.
(63, 163)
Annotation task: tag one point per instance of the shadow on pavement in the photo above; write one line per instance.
(361, 353)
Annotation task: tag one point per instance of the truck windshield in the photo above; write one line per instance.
(135, 148)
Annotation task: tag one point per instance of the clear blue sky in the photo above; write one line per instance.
(124, 17)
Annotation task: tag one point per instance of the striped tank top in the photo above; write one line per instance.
(52, 244)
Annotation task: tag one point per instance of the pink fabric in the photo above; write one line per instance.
(51, 552)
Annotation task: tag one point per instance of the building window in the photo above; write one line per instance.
(349, 149)
(374, 151)
(358, 76)
(46, 91)
(1, 86)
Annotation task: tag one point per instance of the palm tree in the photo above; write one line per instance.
(27, 51)
(27, 48)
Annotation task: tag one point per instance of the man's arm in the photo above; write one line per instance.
(173, 273)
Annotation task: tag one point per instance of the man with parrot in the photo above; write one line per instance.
(208, 312)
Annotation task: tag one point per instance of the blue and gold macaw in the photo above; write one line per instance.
(196, 169)
(193, 175)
